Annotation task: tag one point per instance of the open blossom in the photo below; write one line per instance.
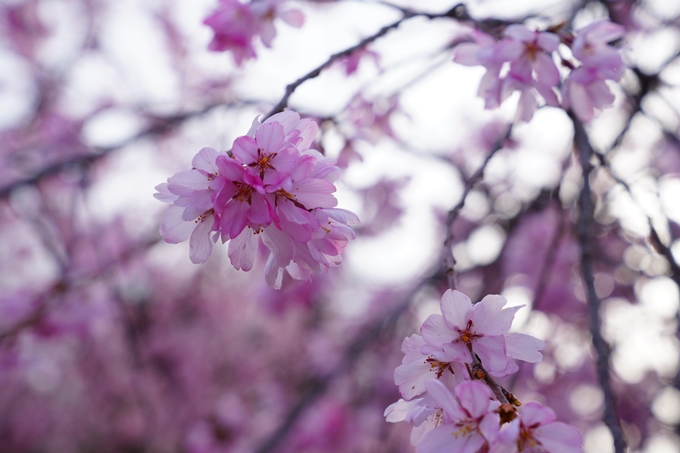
(191, 215)
(585, 89)
(536, 431)
(272, 187)
(469, 423)
(417, 368)
(463, 328)
(531, 68)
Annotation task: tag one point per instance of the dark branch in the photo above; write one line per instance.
(457, 12)
(449, 260)
(585, 233)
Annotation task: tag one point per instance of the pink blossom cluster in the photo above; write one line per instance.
(236, 25)
(450, 407)
(270, 186)
(524, 61)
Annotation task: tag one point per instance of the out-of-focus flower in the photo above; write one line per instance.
(236, 25)
(585, 89)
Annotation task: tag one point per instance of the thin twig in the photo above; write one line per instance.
(457, 12)
(585, 233)
(318, 386)
(449, 260)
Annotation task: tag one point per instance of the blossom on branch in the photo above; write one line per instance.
(585, 89)
(482, 329)
(273, 187)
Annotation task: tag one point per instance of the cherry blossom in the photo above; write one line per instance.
(463, 329)
(272, 187)
(536, 431)
(585, 89)
(470, 422)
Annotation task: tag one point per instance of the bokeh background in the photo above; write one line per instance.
(111, 340)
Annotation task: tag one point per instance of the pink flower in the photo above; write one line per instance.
(191, 215)
(469, 424)
(463, 328)
(273, 187)
(531, 67)
(536, 431)
(417, 368)
(351, 62)
(234, 26)
(268, 10)
(592, 48)
(483, 51)
(585, 89)
(419, 412)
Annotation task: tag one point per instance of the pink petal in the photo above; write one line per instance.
(285, 160)
(523, 347)
(280, 244)
(520, 33)
(245, 150)
(205, 160)
(307, 128)
(173, 229)
(435, 331)
(447, 439)
(491, 351)
(545, 69)
(185, 182)
(314, 193)
(526, 106)
(267, 32)
(234, 218)
(579, 101)
(489, 318)
(548, 41)
(230, 168)
(259, 212)
(559, 437)
(537, 414)
(455, 306)
(467, 54)
(288, 119)
(164, 194)
(270, 137)
(548, 95)
(242, 250)
(293, 17)
(474, 398)
(273, 274)
(200, 244)
(445, 399)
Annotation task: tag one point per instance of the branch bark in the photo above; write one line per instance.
(585, 234)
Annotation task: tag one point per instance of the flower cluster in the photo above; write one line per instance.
(271, 186)
(236, 25)
(523, 61)
(450, 407)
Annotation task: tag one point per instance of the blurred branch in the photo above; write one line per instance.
(163, 125)
(449, 259)
(585, 233)
(317, 386)
(457, 12)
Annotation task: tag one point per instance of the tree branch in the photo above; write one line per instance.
(449, 260)
(585, 233)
